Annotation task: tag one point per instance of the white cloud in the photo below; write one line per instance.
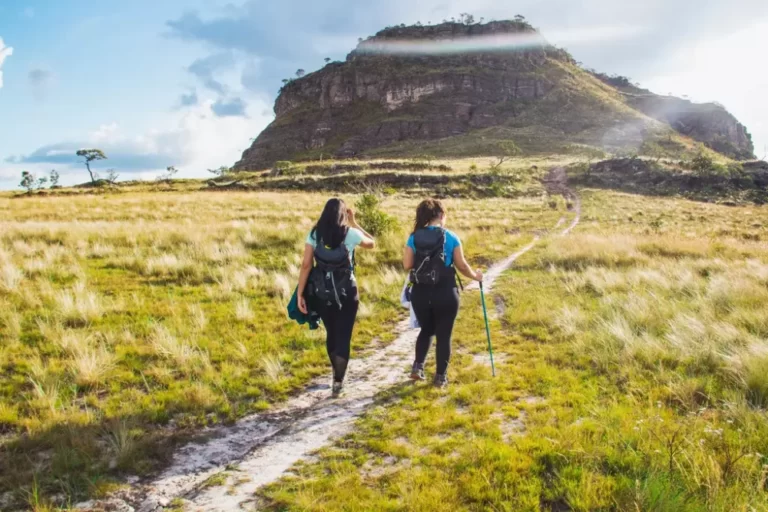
(207, 141)
(193, 140)
(725, 69)
(5, 52)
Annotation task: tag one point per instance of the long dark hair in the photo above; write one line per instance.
(427, 211)
(333, 224)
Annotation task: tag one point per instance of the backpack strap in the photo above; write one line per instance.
(452, 265)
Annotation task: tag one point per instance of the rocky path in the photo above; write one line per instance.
(259, 449)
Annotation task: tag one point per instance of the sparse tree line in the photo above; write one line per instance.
(464, 18)
(31, 182)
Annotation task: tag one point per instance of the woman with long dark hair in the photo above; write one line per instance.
(327, 281)
(432, 255)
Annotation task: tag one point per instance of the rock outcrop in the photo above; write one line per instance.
(455, 89)
(709, 123)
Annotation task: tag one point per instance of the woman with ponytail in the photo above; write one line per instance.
(433, 254)
(327, 281)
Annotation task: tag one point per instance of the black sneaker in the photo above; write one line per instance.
(338, 387)
(417, 372)
(440, 381)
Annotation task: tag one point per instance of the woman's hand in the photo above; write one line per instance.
(351, 217)
(479, 276)
(303, 305)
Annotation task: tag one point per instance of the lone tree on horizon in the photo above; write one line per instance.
(504, 151)
(90, 155)
(27, 181)
(300, 73)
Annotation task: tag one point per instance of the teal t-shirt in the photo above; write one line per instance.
(353, 239)
(451, 243)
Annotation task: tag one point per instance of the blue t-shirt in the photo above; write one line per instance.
(451, 242)
(353, 239)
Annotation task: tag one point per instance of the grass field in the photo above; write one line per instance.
(131, 320)
(631, 355)
(632, 377)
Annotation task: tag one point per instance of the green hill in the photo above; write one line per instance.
(458, 90)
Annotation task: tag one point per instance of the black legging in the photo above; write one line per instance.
(436, 308)
(339, 324)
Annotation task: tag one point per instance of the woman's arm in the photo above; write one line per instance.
(461, 264)
(368, 242)
(306, 268)
(408, 258)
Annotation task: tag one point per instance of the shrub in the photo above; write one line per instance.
(170, 172)
(426, 159)
(221, 171)
(54, 179)
(285, 168)
(370, 216)
(496, 189)
(28, 181)
(505, 150)
(112, 176)
(735, 169)
(702, 163)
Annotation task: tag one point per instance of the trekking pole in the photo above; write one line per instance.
(487, 329)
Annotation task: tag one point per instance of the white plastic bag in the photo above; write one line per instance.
(413, 322)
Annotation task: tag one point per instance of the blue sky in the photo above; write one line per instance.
(189, 82)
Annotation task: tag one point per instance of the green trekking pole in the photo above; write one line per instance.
(487, 329)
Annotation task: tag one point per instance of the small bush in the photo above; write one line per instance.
(426, 159)
(735, 169)
(497, 189)
(702, 163)
(27, 181)
(370, 216)
(285, 168)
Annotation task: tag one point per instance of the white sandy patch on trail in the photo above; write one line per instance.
(259, 449)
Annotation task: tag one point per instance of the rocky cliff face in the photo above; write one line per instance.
(450, 82)
(709, 123)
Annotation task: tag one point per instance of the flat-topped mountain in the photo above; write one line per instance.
(458, 89)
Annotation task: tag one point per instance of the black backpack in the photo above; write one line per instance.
(332, 279)
(429, 257)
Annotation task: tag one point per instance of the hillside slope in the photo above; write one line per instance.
(458, 90)
(709, 123)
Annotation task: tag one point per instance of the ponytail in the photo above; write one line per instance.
(427, 211)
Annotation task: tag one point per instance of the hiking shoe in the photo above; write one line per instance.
(440, 381)
(338, 387)
(417, 373)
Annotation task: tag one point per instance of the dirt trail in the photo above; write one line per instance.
(259, 449)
